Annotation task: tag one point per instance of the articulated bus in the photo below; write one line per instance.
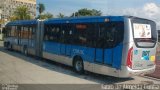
(119, 46)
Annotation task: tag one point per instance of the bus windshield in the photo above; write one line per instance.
(144, 33)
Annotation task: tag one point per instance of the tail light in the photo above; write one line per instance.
(129, 57)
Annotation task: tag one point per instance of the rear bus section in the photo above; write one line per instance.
(140, 51)
(22, 36)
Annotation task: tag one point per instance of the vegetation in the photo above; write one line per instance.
(41, 9)
(87, 12)
(21, 13)
(61, 15)
(45, 16)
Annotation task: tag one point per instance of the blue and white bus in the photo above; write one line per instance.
(120, 46)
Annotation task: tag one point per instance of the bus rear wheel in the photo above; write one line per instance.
(10, 47)
(25, 50)
(78, 65)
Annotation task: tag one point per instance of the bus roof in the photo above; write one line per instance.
(22, 22)
(84, 19)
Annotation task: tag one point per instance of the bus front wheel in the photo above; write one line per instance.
(78, 65)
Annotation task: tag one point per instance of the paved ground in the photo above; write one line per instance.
(156, 74)
(15, 68)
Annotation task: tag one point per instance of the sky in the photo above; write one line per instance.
(141, 8)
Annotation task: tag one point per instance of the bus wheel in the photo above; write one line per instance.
(10, 47)
(25, 51)
(78, 65)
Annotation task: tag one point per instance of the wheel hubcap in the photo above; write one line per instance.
(79, 65)
(25, 51)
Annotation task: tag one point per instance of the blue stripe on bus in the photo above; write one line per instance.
(108, 56)
(51, 47)
(78, 50)
(99, 55)
(69, 20)
(23, 22)
(87, 54)
(68, 50)
(117, 56)
(84, 19)
(62, 49)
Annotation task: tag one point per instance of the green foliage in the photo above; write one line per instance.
(87, 12)
(61, 15)
(21, 13)
(45, 16)
(41, 9)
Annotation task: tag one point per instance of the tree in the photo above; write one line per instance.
(87, 12)
(21, 13)
(45, 16)
(60, 15)
(96, 12)
(41, 9)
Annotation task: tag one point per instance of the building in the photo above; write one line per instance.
(7, 8)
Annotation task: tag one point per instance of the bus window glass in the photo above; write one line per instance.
(86, 34)
(33, 32)
(12, 31)
(110, 34)
(144, 33)
(67, 33)
(25, 33)
(142, 30)
(29, 32)
(81, 29)
(52, 33)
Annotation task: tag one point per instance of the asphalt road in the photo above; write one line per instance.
(16, 68)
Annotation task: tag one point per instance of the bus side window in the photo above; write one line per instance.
(81, 37)
(52, 33)
(91, 34)
(12, 31)
(102, 35)
(67, 33)
(110, 34)
(106, 36)
(70, 34)
(46, 34)
(63, 33)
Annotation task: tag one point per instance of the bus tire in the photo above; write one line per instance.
(25, 51)
(78, 65)
(10, 47)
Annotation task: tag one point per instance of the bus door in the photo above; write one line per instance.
(104, 44)
(66, 34)
(109, 44)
